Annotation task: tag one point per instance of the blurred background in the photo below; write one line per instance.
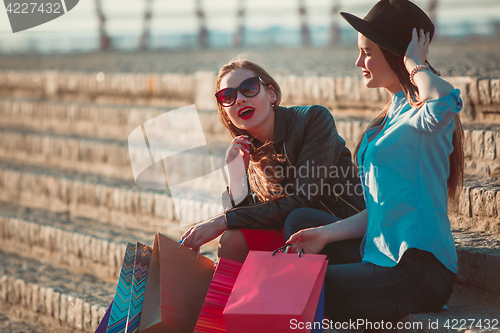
(130, 25)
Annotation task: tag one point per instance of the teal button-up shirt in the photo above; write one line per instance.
(404, 171)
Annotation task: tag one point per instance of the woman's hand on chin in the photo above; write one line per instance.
(204, 232)
(311, 240)
(238, 157)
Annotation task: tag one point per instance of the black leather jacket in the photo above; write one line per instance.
(308, 138)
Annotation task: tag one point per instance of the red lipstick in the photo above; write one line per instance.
(246, 112)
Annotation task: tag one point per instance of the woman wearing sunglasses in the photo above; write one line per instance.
(411, 163)
(280, 159)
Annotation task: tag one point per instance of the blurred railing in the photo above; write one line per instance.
(150, 24)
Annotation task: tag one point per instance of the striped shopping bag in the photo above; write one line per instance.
(126, 308)
(210, 319)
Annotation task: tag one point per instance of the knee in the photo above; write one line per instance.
(232, 245)
(294, 221)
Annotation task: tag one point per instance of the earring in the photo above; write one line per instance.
(272, 105)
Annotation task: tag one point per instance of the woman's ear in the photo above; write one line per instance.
(272, 93)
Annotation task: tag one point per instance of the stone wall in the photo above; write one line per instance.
(481, 96)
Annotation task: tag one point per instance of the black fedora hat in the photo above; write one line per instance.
(390, 23)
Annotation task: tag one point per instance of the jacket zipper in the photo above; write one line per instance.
(286, 155)
(321, 202)
(350, 205)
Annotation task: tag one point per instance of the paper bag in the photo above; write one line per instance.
(210, 319)
(272, 291)
(178, 282)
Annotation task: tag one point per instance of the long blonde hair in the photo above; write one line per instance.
(456, 158)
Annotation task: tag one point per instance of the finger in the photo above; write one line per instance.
(414, 35)
(294, 238)
(241, 140)
(186, 234)
(294, 248)
(427, 39)
(421, 37)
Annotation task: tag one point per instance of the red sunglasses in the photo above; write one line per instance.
(248, 88)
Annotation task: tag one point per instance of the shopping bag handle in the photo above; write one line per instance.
(181, 242)
(283, 248)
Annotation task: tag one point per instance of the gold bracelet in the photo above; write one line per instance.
(415, 70)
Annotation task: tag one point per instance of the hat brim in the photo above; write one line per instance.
(367, 30)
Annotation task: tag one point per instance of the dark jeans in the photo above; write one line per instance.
(356, 290)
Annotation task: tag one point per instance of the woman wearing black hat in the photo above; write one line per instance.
(411, 163)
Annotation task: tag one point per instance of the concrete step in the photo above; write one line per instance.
(478, 258)
(479, 205)
(94, 247)
(481, 95)
(84, 245)
(471, 309)
(106, 199)
(105, 157)
(91, 119)
(80, 300)
(77, 300)
(16, 319)
(122, 202)
(24, 121)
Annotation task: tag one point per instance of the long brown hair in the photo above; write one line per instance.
(456, 158)
(264, 161)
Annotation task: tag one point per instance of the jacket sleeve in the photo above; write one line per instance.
(321, 148)
(228, 201)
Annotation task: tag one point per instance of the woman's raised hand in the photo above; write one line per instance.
(238, 157)
(418, 49)
(311, 240)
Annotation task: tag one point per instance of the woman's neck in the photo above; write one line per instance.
(265, 132)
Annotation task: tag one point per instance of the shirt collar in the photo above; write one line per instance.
(398, 97)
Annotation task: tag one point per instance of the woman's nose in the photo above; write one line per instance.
(240, 98)
(360, 61)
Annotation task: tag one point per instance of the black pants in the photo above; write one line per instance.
(356, 290)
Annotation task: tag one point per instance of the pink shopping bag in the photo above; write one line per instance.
(273, 291)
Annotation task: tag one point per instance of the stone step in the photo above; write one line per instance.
(481, 95)
(84, 245)
(94, 247)
(471, 309)
(478, 258)
(91, 119)
(80, 300)
(76, 300)
(88, 121)
(479, 205)
(106, 199)
(105, 157)
(17, 319)
(122, 202)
